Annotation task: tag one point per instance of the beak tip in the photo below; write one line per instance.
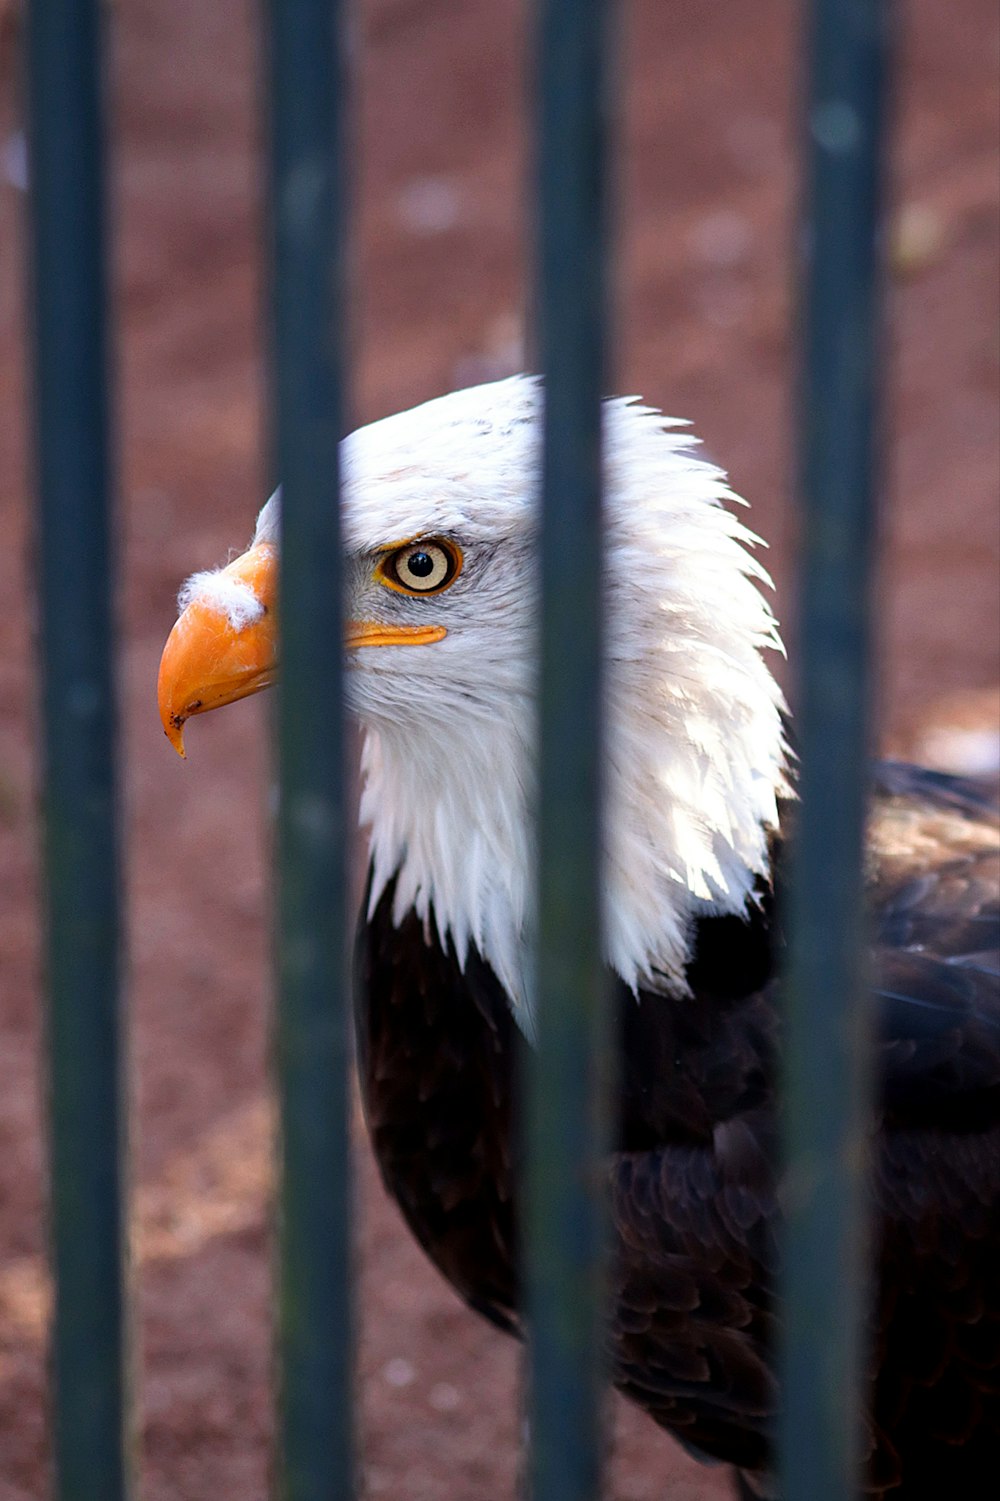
(174, 731)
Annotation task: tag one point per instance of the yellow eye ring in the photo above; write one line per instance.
(425, 566)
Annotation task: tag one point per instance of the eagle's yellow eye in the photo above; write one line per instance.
(421, 567)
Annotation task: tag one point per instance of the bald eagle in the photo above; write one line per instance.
(440, 530)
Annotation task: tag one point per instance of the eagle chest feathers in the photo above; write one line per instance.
(690, 1181)
(695, 1203)
(440, 529)
(436, 1052)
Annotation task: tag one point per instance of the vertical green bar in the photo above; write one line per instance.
(568, 1088)
(81, 839)
(827, 1030)
(308, 275)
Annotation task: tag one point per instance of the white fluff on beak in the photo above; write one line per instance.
(220, 591)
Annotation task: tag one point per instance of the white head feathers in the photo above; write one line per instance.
(696, 755)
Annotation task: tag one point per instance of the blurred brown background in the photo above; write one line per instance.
(706, 190)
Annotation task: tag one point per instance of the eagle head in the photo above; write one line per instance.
(440, 518)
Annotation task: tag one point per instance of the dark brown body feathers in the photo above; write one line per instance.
(692, 1183)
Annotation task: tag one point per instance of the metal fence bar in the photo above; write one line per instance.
(568, 1087)
(827, 1022)
(81, 842)
(308, 205)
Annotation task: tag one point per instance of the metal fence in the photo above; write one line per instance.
(309, 218)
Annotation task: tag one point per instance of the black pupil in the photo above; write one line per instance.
(420, 564)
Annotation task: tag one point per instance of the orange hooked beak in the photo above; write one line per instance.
(224, 645)
(217, 654)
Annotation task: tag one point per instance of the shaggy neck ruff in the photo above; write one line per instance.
(696, 757)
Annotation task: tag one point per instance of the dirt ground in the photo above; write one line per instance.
(706, 187)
